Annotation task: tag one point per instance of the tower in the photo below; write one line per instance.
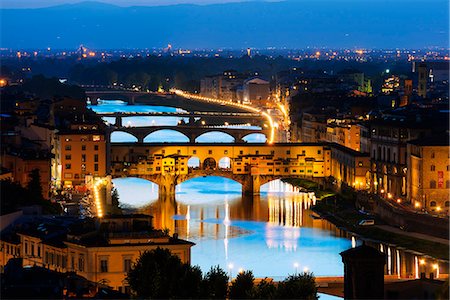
(422, 85)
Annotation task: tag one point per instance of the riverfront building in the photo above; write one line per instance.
(101, 250)
(79, 153)
(428, 177)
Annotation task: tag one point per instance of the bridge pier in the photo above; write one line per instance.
(118, 122)
(166, 187)
(251, 185)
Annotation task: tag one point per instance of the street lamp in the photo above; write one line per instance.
(230, 268)
(305, 269)
(296, 267)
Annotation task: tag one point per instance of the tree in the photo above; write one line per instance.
(34, 185)
(242, 287)
(160, 274)
(215, 284)
(298, 286)
(264, 290)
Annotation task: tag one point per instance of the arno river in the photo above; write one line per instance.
(274, 234)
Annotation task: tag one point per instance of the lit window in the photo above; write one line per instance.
(96, 138)
(104, 265)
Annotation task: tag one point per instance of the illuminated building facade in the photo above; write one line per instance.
(99, 257)
(79, 153)
(428, 177)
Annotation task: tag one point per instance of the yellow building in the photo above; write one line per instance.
(102, 253)
(350, 167)
(344, 133)
(256, 159)
(428, 167)
(79, 153)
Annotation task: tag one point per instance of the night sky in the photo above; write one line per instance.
(261, 24)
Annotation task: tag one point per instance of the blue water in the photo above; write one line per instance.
(228, 232)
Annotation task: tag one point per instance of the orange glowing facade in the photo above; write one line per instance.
(79, 153)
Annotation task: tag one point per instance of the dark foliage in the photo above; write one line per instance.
(299, 286)
(215, 284)
(242, 286)
(161, 275)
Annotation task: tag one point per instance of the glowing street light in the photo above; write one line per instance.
(305, 269)
(296, 267)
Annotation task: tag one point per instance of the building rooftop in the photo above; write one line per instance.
(433, 140)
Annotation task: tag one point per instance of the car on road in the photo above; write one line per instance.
(366, 223)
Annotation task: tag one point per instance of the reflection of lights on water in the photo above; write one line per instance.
(389, 267)
(188, 218)
(398, 264)
(436, 267)
(416, 267)
(381, 248)
(226, 222)
(353, 241)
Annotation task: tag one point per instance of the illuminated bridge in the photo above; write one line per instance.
(252, 165)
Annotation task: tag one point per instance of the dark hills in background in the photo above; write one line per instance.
(292, 24)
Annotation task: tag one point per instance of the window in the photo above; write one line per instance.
(209, 151)
(95, 157)
(126, 264)
(83, 147)
(68, 157)
(83, 157)
(104, 265)
(448, 167)
(432, 184)
(447, 184)
(433, 203)
(68, 166)
(68, 147)
(288, 152)
(194, 151)
(360, 164)
(241, 152)
(32, 249)
(432, 154)
(81, 263)
(225, 152)
(83, 167)
(433, 168)
(303, 152)
(257, 152)
(96, 147)
(95, 138)
(319, 151)
(95, 167)
(447, 203)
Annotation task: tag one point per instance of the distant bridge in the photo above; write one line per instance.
(124, 95)
(192, 132)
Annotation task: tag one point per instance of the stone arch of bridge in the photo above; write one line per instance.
(259, 134)
(121, 132)
(264, 179)
(182, 134)
(212, 130)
